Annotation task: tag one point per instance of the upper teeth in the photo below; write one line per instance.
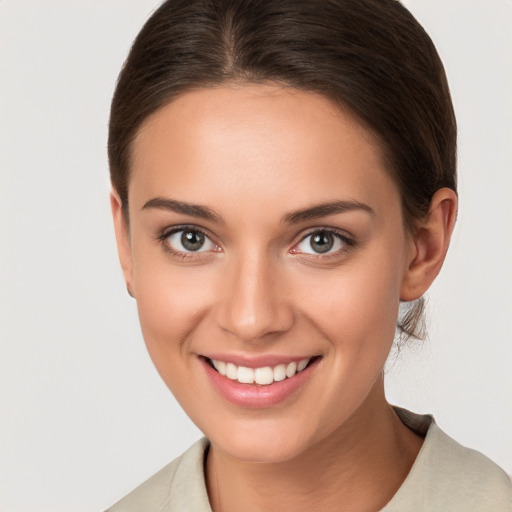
(262, 376)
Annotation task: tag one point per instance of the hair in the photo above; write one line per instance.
(370, 57)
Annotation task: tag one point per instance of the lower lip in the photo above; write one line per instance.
(253, 395)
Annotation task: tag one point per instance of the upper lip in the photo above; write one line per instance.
(256, 361)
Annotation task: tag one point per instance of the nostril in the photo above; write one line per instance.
(253, 302)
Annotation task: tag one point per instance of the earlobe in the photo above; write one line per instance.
(430, 244)
(123, 240)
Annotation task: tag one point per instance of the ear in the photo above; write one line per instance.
(123, 240)
(429, 245)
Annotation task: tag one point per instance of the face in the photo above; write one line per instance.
(265, 244)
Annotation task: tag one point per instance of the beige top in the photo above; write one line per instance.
(446, 477)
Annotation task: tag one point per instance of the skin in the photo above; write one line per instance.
(253, 154)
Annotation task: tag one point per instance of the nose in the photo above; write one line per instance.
(254, 304)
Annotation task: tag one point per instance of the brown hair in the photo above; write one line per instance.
(369, 56)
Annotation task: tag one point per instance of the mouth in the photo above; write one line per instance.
(258, 382)
(261, 376)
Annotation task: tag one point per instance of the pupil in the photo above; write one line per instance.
(322, 242)
(192, 240)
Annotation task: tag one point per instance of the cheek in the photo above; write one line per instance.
(355, 310)
(170, 302)
(356, 306)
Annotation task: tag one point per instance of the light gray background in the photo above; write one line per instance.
(84, 416)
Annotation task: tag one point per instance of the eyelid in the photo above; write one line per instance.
(347, 240)
(345, 235)
(167, 232)
(164, 233)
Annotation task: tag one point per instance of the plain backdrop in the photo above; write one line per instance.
(84, 417)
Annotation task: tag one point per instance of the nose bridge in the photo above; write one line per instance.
(254, 302)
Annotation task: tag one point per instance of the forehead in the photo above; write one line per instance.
(274, 144)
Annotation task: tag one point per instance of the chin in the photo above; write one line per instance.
(260, 444)
(260, 453)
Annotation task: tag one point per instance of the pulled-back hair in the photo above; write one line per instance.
(371, 57)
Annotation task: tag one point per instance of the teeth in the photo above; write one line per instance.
(280, 372)
(221, 368)
(231, 371)
(291, 369)
(302, 364)
(245, 375)
(262, 376)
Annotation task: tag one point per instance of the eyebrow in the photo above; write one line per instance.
(194, 210)
(313, 212)
(324, 209)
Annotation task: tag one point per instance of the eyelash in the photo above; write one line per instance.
(182, 254)
(347, 242)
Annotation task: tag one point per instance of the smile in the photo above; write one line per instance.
(258, 382)
(263, 376)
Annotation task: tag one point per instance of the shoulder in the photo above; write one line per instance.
(158, 492)
(450, 477)
(467, 475)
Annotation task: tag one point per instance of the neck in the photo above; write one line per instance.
(372, 452)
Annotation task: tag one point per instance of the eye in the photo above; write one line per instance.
(189, 240)
(322, 242)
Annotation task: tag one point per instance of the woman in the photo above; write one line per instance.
(283, 179)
